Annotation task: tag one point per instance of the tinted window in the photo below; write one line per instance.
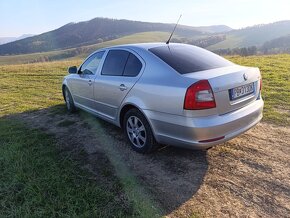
(133, 66)
(91, 65)
(115, 63)
(187, 59)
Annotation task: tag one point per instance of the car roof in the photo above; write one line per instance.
(144, 46)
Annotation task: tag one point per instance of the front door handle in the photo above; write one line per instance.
(90, 82)
(122, 87)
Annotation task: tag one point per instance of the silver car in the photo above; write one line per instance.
(175, 94)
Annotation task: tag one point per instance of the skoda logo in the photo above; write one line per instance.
(245, 76)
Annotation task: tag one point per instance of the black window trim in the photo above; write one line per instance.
(130, 52)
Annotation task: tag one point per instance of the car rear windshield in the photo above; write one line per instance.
(187, 59)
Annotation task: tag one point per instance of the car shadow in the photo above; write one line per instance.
(172, 175)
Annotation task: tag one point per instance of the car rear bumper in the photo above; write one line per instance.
(203, 132)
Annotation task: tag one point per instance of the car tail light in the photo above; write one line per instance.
(199, 96)
(259, 94)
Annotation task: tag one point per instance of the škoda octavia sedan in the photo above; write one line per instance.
(174, 94)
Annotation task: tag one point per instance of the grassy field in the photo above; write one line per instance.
(37, 180)
(275, 71)
(31, 86)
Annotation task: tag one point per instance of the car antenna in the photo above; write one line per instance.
(173, 30)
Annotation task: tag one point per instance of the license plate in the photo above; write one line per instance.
(241, 91)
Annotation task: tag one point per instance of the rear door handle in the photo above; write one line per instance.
(90, 82)
(122, 87)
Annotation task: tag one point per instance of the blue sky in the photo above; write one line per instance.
(36, 16)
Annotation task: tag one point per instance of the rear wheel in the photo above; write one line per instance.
(138, 132)
(69, 101)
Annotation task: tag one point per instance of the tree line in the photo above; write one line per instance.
(245, 51)
(202, 42)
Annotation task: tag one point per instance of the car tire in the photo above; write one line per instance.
(70, 106)
(138, 132)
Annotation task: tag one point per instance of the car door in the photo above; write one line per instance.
(121, 70)
(82, 84)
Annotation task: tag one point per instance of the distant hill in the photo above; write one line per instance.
(218, 38)
(4, 40)
(278, 45)
(253, 36)
(94, 31)
(214, 29)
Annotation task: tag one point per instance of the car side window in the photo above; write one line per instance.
(91, 65)
(121, 63)
(115, 63)
(133, 66)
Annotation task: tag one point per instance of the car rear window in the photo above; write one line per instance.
(187, 59)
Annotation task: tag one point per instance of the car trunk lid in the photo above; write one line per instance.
(234, 87)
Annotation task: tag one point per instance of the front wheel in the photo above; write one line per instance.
(69, 101)
(138, 132)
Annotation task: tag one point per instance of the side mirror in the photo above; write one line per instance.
(73, 70)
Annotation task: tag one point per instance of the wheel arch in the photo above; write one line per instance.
(63, 88)
(126, 108)
(64, 85)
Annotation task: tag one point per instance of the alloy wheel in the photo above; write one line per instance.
(136, 131)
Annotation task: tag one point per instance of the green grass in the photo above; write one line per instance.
(38, 181)
(275, 71)
(31, 86)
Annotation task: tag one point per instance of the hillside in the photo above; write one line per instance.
(89, 32)
(214, 29)
(83, 50)
(253, 36)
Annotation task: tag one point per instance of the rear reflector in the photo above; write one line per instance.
(199, 96)
(212, 140)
